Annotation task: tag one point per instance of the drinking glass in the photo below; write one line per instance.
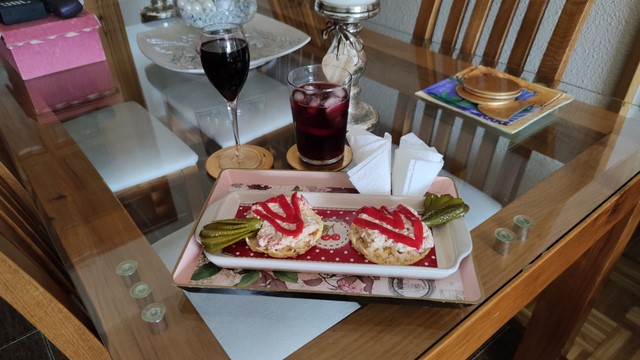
(320, 107)
(224, 53)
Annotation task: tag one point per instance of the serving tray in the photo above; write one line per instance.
(195, 272)
(334, 254)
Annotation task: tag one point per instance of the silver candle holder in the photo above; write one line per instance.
(157, 10)
(347, 49)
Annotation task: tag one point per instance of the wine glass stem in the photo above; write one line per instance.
(232, 106)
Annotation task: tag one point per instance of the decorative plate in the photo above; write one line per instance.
(174, 47)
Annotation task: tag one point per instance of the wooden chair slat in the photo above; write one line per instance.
(453, 25)
(477, 176)
(499, 32)
(443, 131)
(30, 290)
(629, 80)
(526, 35)
(426, 20)
(475, 26)
(403, 117)
(457, 158)
(510, 174)
(563, 39)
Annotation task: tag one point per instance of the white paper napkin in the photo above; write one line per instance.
(372, 156)
(415, 166)
(409, 172)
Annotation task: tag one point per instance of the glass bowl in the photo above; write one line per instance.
(198, 13)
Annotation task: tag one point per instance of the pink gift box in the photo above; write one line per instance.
(52, 44)
(64, 94)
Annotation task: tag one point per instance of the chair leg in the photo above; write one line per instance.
(194, 189)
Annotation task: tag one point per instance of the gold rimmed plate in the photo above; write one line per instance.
(493, 87)
(294, 160)
(479, 99)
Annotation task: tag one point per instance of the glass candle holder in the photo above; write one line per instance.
(154, 315)
(504, 239)
(141, 291)
(128, 269)
(347, 49)
(521, 226)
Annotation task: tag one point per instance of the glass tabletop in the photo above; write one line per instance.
(557, 174)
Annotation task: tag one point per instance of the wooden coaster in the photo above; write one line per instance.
(478, 99)
(494, 87)
(298, 164)
(213, 164)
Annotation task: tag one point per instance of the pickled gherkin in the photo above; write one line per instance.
(440, 209)
(222, 233)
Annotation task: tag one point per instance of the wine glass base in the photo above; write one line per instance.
(213, 162)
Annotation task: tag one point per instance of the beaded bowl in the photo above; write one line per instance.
(198, 13)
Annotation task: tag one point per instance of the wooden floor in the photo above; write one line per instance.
(612, 329)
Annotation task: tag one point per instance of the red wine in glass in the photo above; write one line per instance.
(224, 54)
(226, 69)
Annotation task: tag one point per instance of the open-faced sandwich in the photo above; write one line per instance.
(393, 236)
(290, 227)
(280, 227)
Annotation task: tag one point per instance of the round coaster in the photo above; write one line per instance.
(296, 163)
(478, 99)
(494, 87)
(213, 164)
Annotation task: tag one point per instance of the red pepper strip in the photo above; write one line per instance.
(418, 226)
(418, 232)
(292, 215)
(281, 201)
(383, 214)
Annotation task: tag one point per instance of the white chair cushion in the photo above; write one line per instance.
(128, 146)
(481, 205)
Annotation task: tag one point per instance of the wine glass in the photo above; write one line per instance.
(224, 53)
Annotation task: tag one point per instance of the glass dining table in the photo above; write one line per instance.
(574, 174)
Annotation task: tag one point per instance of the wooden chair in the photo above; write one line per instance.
(473, 164)
(629, 82)
(301, 15)
(558, 48)
(33, 279)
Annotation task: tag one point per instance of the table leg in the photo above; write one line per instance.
(563, 306)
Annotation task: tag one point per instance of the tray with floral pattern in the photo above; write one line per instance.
(195, 271)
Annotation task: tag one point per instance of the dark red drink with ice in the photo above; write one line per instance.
(320, 111)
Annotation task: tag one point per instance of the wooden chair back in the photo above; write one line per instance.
(301, 15)
(558, 48)
(629, 81)
(463, 25)
(33, 279)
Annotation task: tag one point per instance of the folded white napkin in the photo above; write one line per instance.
(372, 156)
(415, 166)
(410, 172)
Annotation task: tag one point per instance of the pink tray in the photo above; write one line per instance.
(194, 272)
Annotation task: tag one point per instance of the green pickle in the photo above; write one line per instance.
(231, 224)
(222, 233)
(441, 209)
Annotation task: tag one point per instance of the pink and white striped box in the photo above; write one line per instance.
(52, 44)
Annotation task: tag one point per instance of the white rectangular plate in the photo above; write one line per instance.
(452, 240)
